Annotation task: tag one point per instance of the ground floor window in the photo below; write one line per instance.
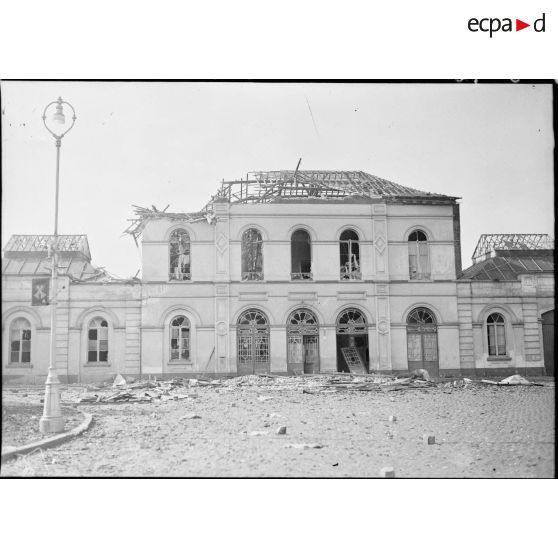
(180, 339)
(97, 334)
(20, 341)
(496, 330)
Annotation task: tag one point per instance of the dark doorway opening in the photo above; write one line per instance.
(352, 340)
(548, 341)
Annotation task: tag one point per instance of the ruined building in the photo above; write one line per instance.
(287, 272)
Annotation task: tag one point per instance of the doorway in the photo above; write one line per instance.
(252, 343)
(422, 341)
(352, 342)
(547, 319)
(303, 348)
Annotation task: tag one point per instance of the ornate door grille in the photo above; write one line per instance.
(253, 343)
(303, 354)
(422, 341)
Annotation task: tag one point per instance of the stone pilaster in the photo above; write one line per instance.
(383, 326)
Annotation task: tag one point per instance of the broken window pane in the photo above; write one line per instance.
(97, 349)
(179, 247)
(301, 255)
(419, 266)
(252, 256)
(349, 252)
(20, 341)
(180, 338)
(496, 335)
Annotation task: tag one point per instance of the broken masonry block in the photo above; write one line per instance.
(392, 418)
(429, 440)
(387, 472)
(282, 430)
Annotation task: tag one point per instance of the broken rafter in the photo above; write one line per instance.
(532, 241)
(268, 186)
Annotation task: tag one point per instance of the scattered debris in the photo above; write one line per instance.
(515, 380)
(190, 416)
(119, 381)
(304, 446)
(121, 397)
(407, 383)
(428, 440)
(387, 472)
(422, 374)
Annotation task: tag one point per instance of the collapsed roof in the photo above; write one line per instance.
(29, 255)
(287, 186)
(508, 268)
(491, 243)
(503, 257)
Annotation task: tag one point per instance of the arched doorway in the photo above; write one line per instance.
(422, 341)
(352, 342)
(303, 352)
(547, 319)
(252, 342)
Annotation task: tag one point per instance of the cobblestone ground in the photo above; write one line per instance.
(480, 431)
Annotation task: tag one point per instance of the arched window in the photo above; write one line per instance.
(301, 255)
(496, 330)
(349, 254)
(180, 338)
(351, 321)
(419, 265)
(252, 256)
(20, 341)
(97, 344)
(179, 249)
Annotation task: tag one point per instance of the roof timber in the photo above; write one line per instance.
(297, 185)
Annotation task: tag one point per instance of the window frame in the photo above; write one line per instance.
(348, 271)
(20, 341)
(414, 248)
(256, 274)
(176, 238)
(495, 326)
(96, 324)
(302, 275)
(180, 347)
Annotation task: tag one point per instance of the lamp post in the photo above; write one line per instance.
(52, 420)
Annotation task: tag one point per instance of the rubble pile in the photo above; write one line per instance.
(122, 390)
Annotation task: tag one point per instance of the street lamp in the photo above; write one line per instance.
(52, 420)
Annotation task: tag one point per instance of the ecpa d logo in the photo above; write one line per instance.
(492, 25)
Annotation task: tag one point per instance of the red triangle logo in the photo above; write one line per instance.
(519, 25)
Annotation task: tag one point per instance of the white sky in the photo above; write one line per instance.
(172, 143)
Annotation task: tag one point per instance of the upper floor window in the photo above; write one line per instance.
(179, 248)
(496, 331)
(97, 344)
(349, 254)
(252, 256)
(419, 265)
(301, 255)
(20, 341)
(180, 338)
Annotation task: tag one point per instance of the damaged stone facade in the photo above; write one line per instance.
(287, 272)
